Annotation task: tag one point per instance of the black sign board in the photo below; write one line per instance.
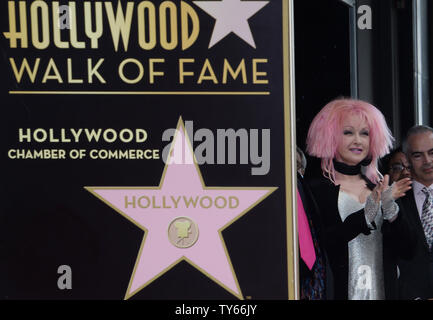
(146, 150)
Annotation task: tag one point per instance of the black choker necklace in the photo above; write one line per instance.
(347, 169)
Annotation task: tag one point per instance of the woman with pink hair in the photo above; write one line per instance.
(355, 200)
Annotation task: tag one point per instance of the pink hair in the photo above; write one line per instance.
(324, 134)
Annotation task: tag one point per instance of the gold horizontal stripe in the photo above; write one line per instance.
(146, 92)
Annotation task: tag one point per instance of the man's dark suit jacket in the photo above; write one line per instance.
(416, 271)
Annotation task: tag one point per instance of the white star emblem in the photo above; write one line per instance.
(231, 16)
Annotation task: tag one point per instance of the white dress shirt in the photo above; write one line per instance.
(419, 195)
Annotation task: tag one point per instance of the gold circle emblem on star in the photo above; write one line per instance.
(182, 232)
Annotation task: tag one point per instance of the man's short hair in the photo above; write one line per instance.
(418, 129)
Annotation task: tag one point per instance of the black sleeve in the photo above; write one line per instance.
(351, 227)
(399, 236)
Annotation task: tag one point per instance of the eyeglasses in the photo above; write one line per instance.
(399, 168)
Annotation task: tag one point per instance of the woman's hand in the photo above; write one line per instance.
(396, 190)
(382, 185)
(400, 187)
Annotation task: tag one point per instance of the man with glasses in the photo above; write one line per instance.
(416, 271)
(398, 166)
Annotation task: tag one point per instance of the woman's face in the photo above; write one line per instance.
(354, 140)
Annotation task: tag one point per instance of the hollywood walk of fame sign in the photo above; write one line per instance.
(91, 95)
